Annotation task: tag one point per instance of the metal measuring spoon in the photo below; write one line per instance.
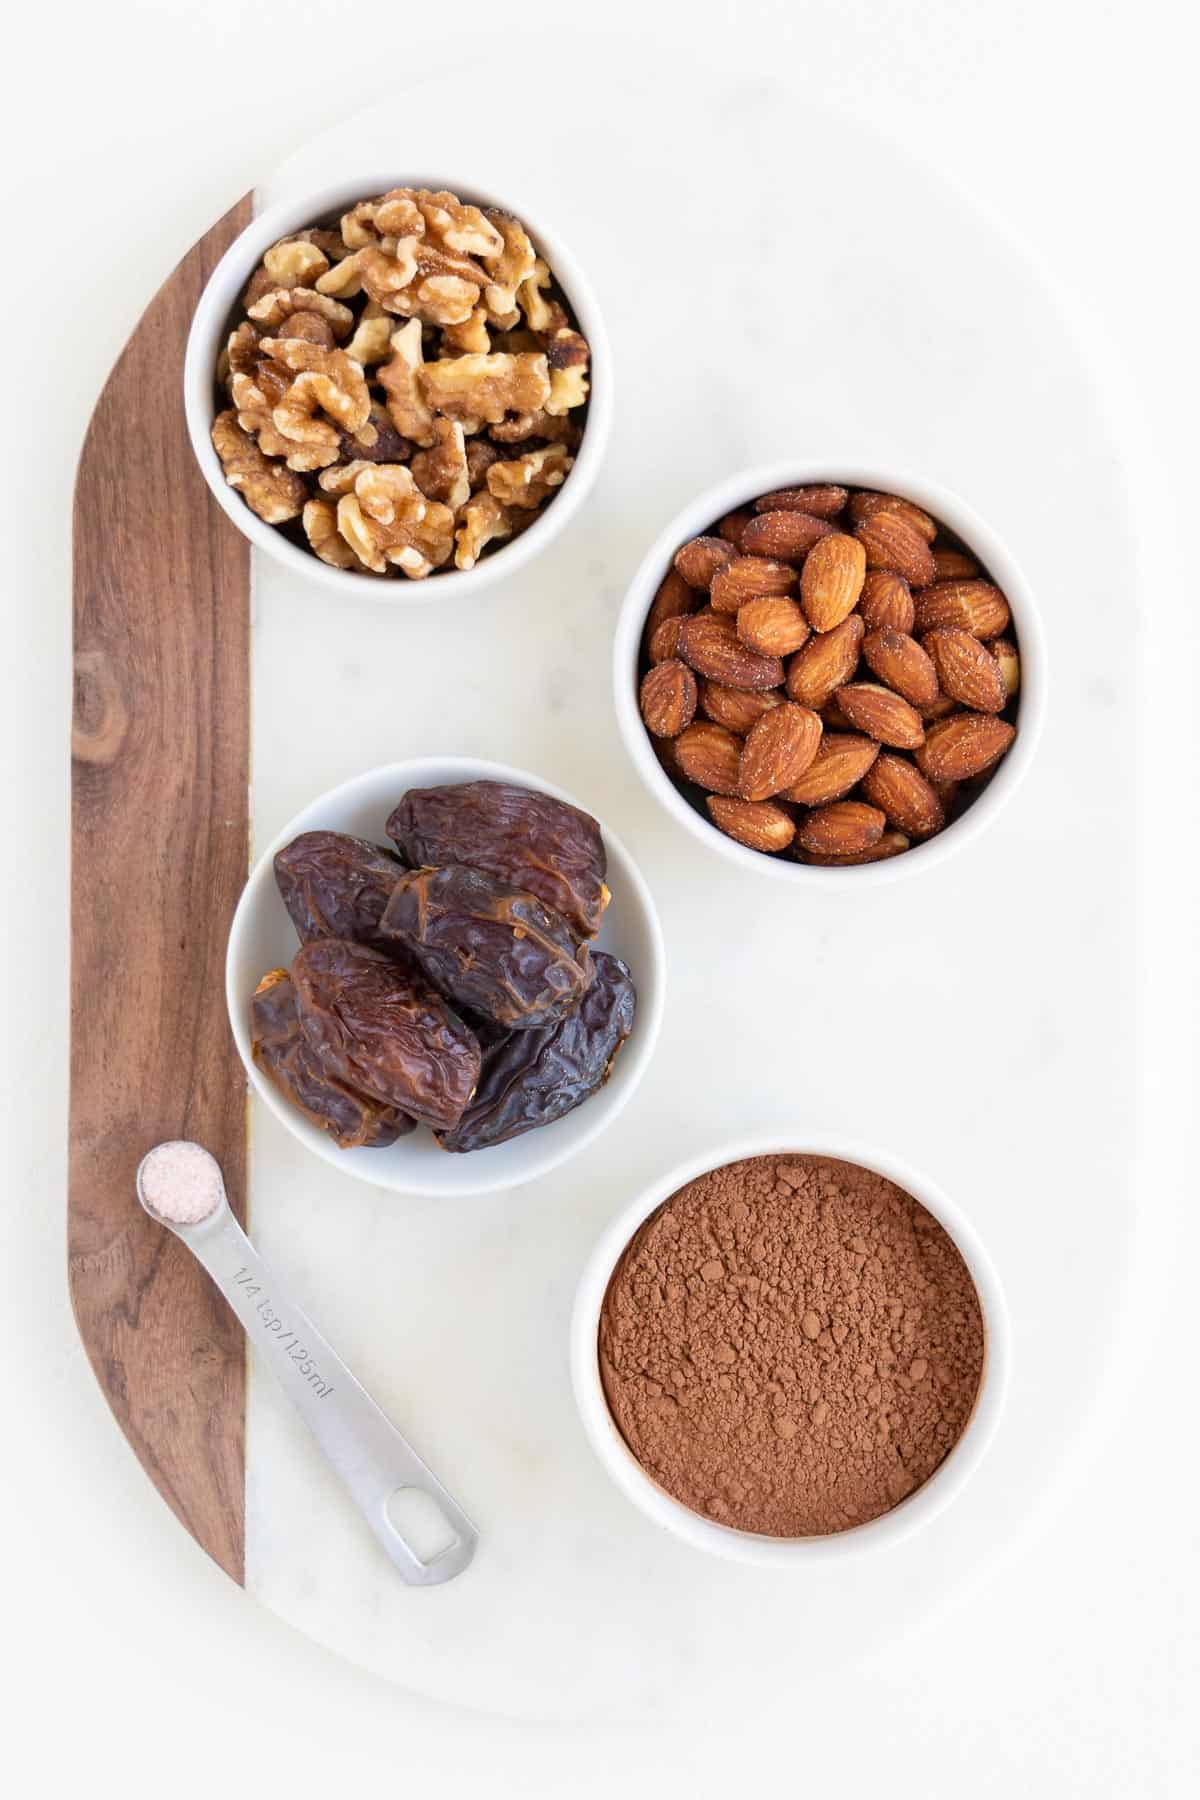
(379, 1467)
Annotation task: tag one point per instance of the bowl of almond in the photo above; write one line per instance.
(394, 382)
(823, 671)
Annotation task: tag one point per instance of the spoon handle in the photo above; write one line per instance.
(373, 1459)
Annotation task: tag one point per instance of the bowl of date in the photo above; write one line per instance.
(410, 1011)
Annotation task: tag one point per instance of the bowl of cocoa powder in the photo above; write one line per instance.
(783, 1352)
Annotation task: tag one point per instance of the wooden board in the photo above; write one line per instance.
(160, 844)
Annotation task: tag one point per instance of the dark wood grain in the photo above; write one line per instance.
(160, 838)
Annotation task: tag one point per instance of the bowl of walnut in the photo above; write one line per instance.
(817, 672)
(390, 385)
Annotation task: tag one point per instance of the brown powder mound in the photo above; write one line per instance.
(791, 1345)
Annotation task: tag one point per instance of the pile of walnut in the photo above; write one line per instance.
(404, 385)
(850, 669)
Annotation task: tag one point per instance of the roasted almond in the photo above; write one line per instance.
(668, 699)
(826, 661)
(966, 669)
(865, 505)
(846, 828)
(832, 580)
(886, 601)
(673, 599)
(699, 559)
(732, 526)
(892, 843)
(746, 577)
(787, 535)
(709, 643)
(954, 565)
(821, 501)
(665, 641)
(900, 791)
(957, 748)
(777, 750)
(709, 755)
(842, 760)
(773, 625)
(974, 606)
(883, 715)
(901, 664)
(759, 824)
(1005, 653)
(736, 708)
(893, 542)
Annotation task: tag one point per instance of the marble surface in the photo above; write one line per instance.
(881, 317)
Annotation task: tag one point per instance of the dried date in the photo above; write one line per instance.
(380, 1029)
(531, 1078)
(282, 1052)
(530, 840)
(489, 946)
(336, 886)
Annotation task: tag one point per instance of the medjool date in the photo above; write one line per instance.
(336, 886)
(543, 845)
(488, 946)
(282, 1052)
(533, 1077)
(380, 1029)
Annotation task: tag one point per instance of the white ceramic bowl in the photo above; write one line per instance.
(210, 328)
(742, 489)
(262, 937)
(921, 1506)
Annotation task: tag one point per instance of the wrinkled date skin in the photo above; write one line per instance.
(379, 1028)
(490, 947)
(336, 886)
(282, 1052)
(532, 1078)
(551, 849)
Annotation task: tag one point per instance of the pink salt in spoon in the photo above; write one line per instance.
(422, 1528)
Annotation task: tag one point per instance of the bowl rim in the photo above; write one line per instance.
(748, 484)
(607, 1104)
(922, 1506)
(205, 337)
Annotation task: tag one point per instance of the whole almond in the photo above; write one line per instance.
(954, 565)
(883, 715)
(759, 824)
(709, 643)
(842, 760)
(846, 828)
(673, 599)
(892, 843)
(831, 580)
(821, 501)
(732, 526)
(787, 535)
(746, 577)
(974, 606)
(826, 661)
(886, 602)
(773, 625)
(865, 505)
(967, 671)
(699, 559)
(736, 709)
(777, 750)
(901, 664)
(965, 745)
(1005, 653)
(668, 699)
(664, 642)
(900, 791)
(893, 542)
(709, 755)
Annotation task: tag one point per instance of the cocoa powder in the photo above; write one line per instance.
(791, 1345)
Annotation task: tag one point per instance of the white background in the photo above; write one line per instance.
(125, 1658)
